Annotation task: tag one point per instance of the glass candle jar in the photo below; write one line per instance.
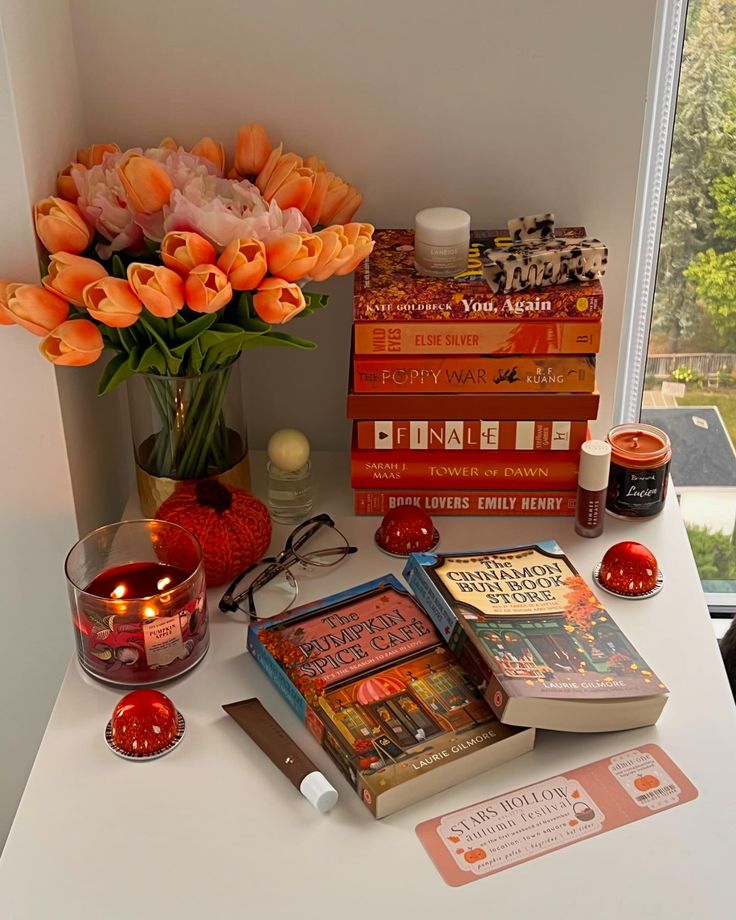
(640, 463)
(139, 609)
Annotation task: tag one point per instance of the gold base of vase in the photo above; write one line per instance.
(154, 490)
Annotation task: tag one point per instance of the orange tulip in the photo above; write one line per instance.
(252, 149)
(277, 301)
(69, 275)
(209, 150)
(60, 226)
(92, 155)
(6, 318)
(293, 255)
(341, 202)
(168, 143)
(160, 289)
(74, 343)
(335, 251)
(360, 237)
(111, 301)
(147, 185)
(314, 207)
(286, 181)
(315, 164)
(207, 289)
(244, 263)
(182, 251)
(34, 308)
(66, 187)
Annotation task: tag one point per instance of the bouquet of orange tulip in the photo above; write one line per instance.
(177, 268)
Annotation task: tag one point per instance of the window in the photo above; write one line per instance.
(683, 291)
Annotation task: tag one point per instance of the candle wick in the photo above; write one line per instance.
(635, 442)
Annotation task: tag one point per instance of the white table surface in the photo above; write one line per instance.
(214, 830)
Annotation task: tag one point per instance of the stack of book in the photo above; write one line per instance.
(465, 401)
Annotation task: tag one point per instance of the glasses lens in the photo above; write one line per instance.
(326, 546)
(271, 595)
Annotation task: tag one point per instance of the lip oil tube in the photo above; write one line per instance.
(595, 462)
(262, 728)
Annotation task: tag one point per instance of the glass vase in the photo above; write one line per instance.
(187, 428)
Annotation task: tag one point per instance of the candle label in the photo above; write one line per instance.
(637, 492)
(163, 641)
(517, 826)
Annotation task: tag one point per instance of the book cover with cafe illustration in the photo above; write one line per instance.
(535, 638)
(368, 673)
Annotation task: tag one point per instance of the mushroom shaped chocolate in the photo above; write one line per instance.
(144, 724)
(405, 530)
(629, 569)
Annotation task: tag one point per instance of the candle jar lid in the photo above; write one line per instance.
(639, 445)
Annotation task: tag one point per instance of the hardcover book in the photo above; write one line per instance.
(536, 640)
(369, 675)
(472, 469)
(470, 434)
(461, 502)
(388, 287)
(473, 374)
(454, 337)
(501, 406)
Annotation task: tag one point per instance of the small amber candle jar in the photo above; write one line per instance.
(640, 464)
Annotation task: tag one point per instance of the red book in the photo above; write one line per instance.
(459, 338)
(473, 374)
(388, 288)
(462, 503)
(471, 469)
(437, 434)
(501, 406)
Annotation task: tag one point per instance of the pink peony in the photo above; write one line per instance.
(223, 210)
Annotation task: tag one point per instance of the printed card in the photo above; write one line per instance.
(517, 826)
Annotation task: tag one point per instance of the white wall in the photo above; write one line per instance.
(39, 114)
(499, 108)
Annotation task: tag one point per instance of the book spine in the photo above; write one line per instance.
(568, 303)
(474, 374)
(546, 504)
(501, 406)
(276, 675)
(470, 435)
(457, 338)
(470, 470)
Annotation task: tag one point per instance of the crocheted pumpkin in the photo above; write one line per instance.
(233, 527)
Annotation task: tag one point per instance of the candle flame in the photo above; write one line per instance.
(163, 582)
(119, 591)
(149, 612)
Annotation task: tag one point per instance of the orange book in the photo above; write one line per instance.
(476, 434)
(465, 502)
(459, 338)
(501, 406)
(473, 374)
(471, 469)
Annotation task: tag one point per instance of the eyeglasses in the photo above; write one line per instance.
(313, 546)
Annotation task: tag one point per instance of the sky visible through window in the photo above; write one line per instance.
(690, 387)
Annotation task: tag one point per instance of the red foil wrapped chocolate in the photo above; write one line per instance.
(144, 724)
(629, 569)
(406, 529)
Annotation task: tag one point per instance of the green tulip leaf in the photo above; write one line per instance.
(196, 357)
(152, 361)
(118, 268)
(191, 330)
(117, 370)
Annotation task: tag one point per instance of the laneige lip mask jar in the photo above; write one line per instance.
(441, 242)
(640, 462)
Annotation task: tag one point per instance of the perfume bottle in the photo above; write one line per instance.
(289, 493)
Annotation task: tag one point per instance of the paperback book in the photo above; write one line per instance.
(536, 640)
(473, 374)
(470, 434)
(368, 673)
(460, 502)
(388, 287)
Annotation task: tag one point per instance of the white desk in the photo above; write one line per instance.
(214, 830)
